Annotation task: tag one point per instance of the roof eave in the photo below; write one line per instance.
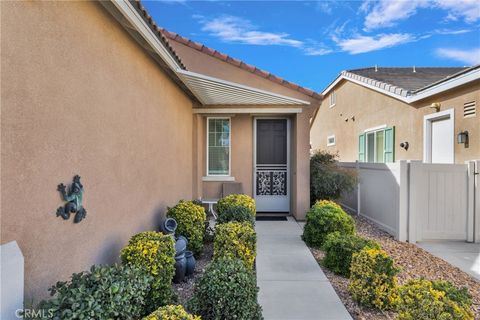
(406, 96)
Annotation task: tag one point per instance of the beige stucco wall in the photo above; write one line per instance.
(242, 162)
(80, 97)
(242, 130)
(372, 109)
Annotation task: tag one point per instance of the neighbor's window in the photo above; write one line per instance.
(333, 99)
(218, 153)
(377, 146)
(331, 140)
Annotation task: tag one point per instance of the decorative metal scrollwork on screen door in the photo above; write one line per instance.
(271, 181)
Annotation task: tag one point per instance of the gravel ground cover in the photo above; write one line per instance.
(184, 290)
(414, 263)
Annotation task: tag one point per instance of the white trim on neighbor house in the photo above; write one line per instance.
(383, 126)
(332, 99)
(330, 144)
(220, 177)
(208, 90)
(246, 110)
(427, 132)
(442, 86)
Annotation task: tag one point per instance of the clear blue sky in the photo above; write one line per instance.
(309, 43)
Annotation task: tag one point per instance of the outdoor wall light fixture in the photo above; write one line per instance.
(462, 137)
(404, 145)
(436, 106)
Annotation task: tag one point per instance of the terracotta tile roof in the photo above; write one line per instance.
(157, 30)
(165, 35)
(238, 63)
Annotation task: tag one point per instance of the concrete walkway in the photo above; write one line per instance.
(463, 255)
(292, 285)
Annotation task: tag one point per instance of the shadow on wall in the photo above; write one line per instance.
(109, 252)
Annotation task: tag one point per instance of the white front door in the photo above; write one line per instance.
(271, 160)
(439, 137)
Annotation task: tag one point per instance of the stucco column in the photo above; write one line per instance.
(301, 165)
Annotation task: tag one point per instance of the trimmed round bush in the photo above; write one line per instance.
(105, 292)
(236, 214)
(236, 200)
(190, 219)
(339, 249)
(325, 203)
(155, 252)
(235, 240)
(227, 290)
(432, 300)
(323, 219)
(373, 281)
(171, 312)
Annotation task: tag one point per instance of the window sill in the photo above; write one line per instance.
(218, 178)
(331, 106)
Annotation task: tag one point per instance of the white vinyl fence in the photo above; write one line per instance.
(416, 201)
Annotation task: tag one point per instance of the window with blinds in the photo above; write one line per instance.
(469, 109)
(218, 144)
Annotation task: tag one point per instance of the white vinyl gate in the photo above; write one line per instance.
(417, 201)
(439, 201)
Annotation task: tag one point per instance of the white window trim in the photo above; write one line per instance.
(332, 94)
(373, 130)
(383, 126)
(334, 140)
(220, 177)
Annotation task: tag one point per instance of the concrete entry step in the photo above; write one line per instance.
(292, 285)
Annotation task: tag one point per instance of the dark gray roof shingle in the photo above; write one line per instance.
(407, 78)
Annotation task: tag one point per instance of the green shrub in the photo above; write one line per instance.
(323, 219)
(326, 203)
(236, 214)
(327, 179)
(106, 292)
(373, 281)
(155, 252)
(190, 223)
(227, 290)
(171, 312)
(432, 300)
(235, 240)
(236, 200)
(339, 249)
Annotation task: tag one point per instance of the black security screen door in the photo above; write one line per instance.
(271, 172)
(271, 141)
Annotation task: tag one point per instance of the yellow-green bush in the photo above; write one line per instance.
(373, 280)
(323, 218)
(190, 219)
(339, 249)
(155, 252)
(171, 312)
(236, 200)
(324, 203)
(235, 240)
(432, 300)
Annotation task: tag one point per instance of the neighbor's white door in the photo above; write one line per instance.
(439, 137)
(442, 141)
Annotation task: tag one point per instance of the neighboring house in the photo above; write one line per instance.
(96, 89)
(388, 114)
